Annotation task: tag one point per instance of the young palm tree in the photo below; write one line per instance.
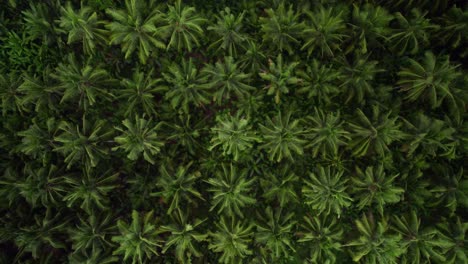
(178, 186)
(326, 134)
(186, 85)
(83, 145)
(138, 240)
(280, 77)
(320, 81)
(374, 135)
(281, 28)
(421, 243)
(323, 237)
(235, 135)
(370, 26)
(282, 136)
(374, 244)
(139, 93)
(90, 189)
(138, 27)
(326, 191)
(231, 190)
(274, 230)
(183, 26)
(429, 80)
(82, 26)
(227, 80)
(412, 34)
(83, 83)
(139, 137)
(231, 239)
(325, 33)
(185, 236)
(373, 187)
(228, 30)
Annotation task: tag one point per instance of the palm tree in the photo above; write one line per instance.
(183, 26)
(375, 244)
(283, 136)
(281, 28)
(234, 134)
(326, 191)
(280, 77)
(137, 28)
(82, 26)
(186, 85)
(431, 79)
(83, 83)
(227, 79)
(231, 190)
(373, 187)
(375, 134)
(325, 32)
(138, 240)
(178, 186)
(412, 34)
(139, 93)
(184, 236)
(274, 230)
(228, 29)
(139, 137)
(232, 239)
(326, 133)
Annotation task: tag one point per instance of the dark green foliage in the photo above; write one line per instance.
(219, 131)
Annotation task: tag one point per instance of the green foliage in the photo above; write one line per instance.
(421, 243)
(325, 33)
(139, 137)
(453, 234)
(430, 79)
(218, 131)
(411, 32)
(89, 190)
(139, 240)
(93, 233)
(85, 83)
(234, 134)
(326, 134)
(326, 191)
(137, 28)
(279, 77)
(177, 186)
(281, 28)
(183, 26)
(375, 244)
(82, 26)
(374, 187)
(322, 235)
(184, 236)
(274, 230)
(228, 80)
(186, 85)
(228, 29)
(230, 188)
(82, 144)
(320, 81)
(374, 135)
(280, 185)
(231, 239)
(283, 136)
(139, 93)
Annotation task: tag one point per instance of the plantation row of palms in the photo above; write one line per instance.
(137, 131)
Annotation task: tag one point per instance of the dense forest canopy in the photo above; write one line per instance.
(328, 131)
